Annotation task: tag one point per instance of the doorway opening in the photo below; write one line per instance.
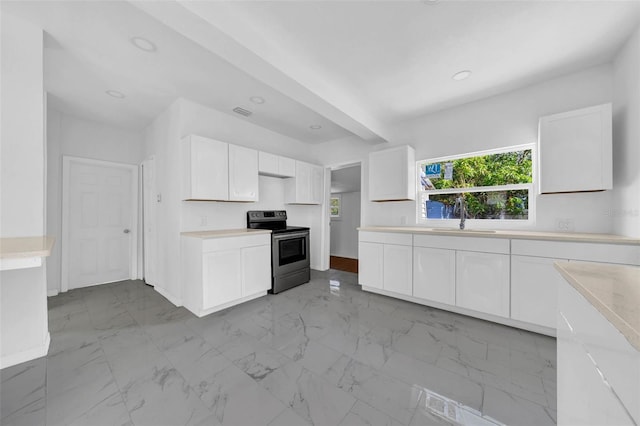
(344, 214)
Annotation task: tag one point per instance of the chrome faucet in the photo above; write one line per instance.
(461, 207)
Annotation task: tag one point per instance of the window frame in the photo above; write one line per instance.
(421, 195)
(339, 198)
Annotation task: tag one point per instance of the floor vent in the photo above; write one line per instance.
(242, 111)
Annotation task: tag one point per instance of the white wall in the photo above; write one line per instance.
(23, 303)
(77, 137)
(162, 139)
(626, 140)
(507, 119)
(344, 233)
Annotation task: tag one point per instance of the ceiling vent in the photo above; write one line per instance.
(242, 111)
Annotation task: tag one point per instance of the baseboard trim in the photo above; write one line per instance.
(170, 297)
(54, 292)
(28, 355)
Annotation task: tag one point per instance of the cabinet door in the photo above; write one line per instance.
(584, 398)
(243, 174)
(222, 277)
(268, 163)
(303, 182)
(317, 185)
(482, 282)
(206, 168)
(370, 257)
(576, 150)
(286, 167)
(256, 270)
(392, 174)
(434, 274)
(397, 269)
(534, 290)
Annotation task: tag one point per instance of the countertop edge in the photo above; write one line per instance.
(627, 330)
(32, 247)
(513, 235)
(224, 233)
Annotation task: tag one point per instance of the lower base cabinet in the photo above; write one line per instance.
(222, 272)
(385, 262)
(534, 290)
(482, 282)
(598, 369)
(434, 274)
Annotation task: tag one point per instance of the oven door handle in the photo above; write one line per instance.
(291, 235)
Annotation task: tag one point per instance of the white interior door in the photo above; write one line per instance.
(149, 220)
(100, 223)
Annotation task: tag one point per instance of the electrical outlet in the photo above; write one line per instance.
(203, 221)
(564, 224)
(403, 220)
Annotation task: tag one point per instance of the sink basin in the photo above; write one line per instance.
(474, 231)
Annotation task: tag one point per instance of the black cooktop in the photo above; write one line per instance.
(289, 229)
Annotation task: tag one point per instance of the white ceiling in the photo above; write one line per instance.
(354, 67)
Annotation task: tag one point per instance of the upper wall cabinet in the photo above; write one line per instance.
(392, 174)
(243, 174)
(218, 171)
(276, 165)
(576, 150)
(307, 186)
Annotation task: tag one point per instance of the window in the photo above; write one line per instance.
(335, 205)
(496, 185)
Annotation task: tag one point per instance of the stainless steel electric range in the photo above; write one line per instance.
(290, 265)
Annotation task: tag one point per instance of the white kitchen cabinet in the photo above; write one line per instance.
(392, 174)
(205, 169)
(575, 150)
(434, 274)
(385, 262)
(222, 277)
(598, 369)
(243, 174)
(482, 282)
(276, 165)
(307, 185)
(397, 271)
(221, 272)
(370, 259)
(218, 171)
(258, 262)
(534, 290)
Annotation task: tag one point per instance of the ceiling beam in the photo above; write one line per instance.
(197, 23)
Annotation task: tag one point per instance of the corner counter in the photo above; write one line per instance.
(24, 252)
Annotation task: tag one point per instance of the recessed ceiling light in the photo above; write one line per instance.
(315, 127)
(430, 2)
(115, 94)
(461, 75)
(143, 44)
(256, 99)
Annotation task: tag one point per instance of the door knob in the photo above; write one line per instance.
(126, 231)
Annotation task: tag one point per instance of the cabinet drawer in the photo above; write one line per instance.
(229, 243)
(485, 245)
(593, 252)
(386, 238)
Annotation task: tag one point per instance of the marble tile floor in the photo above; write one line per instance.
(325, 353)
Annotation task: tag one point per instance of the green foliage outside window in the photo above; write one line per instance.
(508, 168)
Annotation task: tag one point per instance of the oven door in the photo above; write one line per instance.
(290, 252)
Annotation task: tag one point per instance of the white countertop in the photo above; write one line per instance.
(525, 235)
(224, 233)
(614, 290)
(21, 247)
